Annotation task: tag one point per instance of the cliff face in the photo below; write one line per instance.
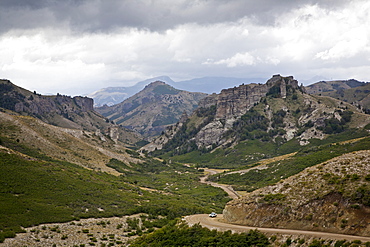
(21, 100)
(234, 102)
(277, 111)
(62, 111)
(331, 197)
(59, 104)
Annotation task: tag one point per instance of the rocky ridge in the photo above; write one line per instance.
(332, 197)
(63, 111)
(149, 112)
(92, 150)
(279, 110)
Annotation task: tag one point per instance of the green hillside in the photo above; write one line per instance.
(37, 188)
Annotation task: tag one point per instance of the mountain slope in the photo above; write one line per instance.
(152, 109)
(276, 117)
(115, 95)
(62, 111)
(333, 196)
(330, 86)
(359, 96)
(89, 149)
(55, 174)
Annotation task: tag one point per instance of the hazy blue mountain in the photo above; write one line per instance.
(114, 95)
(214, 84)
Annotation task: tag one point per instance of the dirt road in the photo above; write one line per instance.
(227, 188)
(218, 224)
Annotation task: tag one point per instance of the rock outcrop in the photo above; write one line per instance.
(330, 197)
(277, 111)
(63, 111)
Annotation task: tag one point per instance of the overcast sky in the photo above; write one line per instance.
(78, 46)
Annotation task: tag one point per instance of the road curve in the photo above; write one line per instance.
(218, 224)
(227, 188)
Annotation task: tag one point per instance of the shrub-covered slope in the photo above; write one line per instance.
(152, 109)
(44, 178)
(244, 124)
(63, 111)
(333, 196)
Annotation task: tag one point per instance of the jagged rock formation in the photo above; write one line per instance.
(63, 111)
(152, 109)
(330, 197)
(278, 111)
(218, 113)
(234, 102)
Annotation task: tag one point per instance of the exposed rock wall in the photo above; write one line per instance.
(230, 105)
(234, 102)
(310, 200)
(36, 104)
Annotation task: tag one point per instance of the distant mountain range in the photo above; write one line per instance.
(114, 95)
(152, 109)
(351, 91)
(279, 111)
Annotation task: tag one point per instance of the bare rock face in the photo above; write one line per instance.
(311, 200)
(235, 102)
(232, 103)
(61, 110)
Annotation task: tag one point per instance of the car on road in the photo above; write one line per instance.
(212, 215)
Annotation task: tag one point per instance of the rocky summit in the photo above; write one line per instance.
(154, 108)
(278, 111)
(63, 111)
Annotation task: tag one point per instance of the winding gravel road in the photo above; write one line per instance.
(218, 224)
(227, 188)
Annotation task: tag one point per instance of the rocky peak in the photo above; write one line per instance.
(234, 102)
(152, 109)
(282, 83)
(154, 84)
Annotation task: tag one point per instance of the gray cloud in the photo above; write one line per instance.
(71, 45)
(159, 15)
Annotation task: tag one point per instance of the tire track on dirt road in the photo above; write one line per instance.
(219, 225)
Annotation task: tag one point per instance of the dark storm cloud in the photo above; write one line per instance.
(99, 15)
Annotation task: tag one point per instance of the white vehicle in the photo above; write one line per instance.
(212, 215)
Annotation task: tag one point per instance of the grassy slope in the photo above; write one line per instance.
(276, 171)
(249, 150)
(36, 188)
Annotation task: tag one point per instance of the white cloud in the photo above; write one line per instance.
(305, 41)
(239, 59)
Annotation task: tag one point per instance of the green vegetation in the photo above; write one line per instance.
(183, 235)
(247, 153)
(273, 198)
(333, 125)
(186, 132)
(43, 190)
(276, 171)
(164, 120)
(165, 89)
